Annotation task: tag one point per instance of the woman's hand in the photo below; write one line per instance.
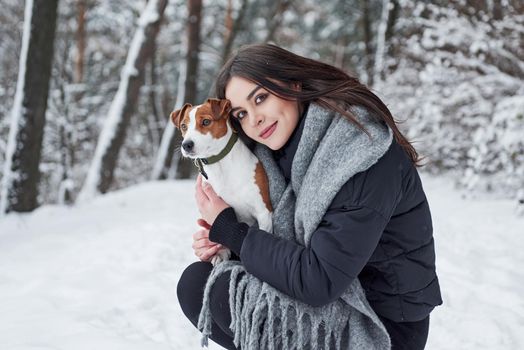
(203, 247)
(208, 202)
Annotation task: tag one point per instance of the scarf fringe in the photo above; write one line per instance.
(290, 325)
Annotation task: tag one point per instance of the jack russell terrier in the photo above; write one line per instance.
(229, 166)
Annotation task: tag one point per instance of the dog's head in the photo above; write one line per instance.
(206, 128)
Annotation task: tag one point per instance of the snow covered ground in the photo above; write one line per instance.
(103, 274)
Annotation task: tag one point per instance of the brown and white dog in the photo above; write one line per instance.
(229, 166)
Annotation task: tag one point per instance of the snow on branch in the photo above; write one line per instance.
(150, 15)
(16, 114)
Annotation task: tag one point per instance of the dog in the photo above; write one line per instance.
(228, 165)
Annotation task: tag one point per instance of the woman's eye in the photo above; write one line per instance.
(241, 115)
(260, 98)
(206, 122)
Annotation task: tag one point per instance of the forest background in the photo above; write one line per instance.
(87, 85)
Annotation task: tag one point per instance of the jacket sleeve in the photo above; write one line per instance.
(340, 247)
(320, 273)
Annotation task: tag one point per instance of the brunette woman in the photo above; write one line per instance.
(351, 261)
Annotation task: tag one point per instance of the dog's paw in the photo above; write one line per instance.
(222, 255)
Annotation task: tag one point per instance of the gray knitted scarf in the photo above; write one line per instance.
(331, 150)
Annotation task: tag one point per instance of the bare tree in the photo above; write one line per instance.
(193, 49)
(381, 41)
(184, 168)
(112, 136)
(233, 27)
(392, 18)
(278, 12)
(154, 120)
(19, 188)
(366, 21)
(80, 41)
(167, 144)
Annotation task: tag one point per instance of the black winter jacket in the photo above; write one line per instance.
(378, 229)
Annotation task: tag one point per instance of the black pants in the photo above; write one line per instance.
(190, 291)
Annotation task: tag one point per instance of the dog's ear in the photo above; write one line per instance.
(178, 115)
(219, 107)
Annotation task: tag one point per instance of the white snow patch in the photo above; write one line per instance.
(103, 274)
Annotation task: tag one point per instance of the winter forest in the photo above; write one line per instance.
(87, 85)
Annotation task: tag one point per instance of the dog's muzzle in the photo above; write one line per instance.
(188, 146)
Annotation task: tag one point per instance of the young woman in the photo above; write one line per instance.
(351, 261)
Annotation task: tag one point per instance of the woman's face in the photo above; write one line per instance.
(264, 117)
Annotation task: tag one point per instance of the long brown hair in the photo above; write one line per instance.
(323, 84)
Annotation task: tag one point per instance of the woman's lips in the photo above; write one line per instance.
(268, 131)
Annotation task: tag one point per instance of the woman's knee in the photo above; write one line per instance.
(190, 288)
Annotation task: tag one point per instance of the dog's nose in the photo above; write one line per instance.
(188, 145)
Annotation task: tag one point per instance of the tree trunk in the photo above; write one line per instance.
(112, 136)
(232, 29)
(80, 42)
(168, 143)
(392, 19)
(366, 24)
(228, 23)
(280, 7)
(185, 168)
(154, 119)
(193, 49)
(340, 51)
(381, 41)
(19, 188)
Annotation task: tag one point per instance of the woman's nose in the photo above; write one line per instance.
(257, 119)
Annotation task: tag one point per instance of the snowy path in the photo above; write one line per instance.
(102, 275)
(480, 261)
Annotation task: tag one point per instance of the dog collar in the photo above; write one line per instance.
(199, 162)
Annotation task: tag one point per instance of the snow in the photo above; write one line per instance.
(150, 15)
(18, 110)
(103, 274)
(458, 83)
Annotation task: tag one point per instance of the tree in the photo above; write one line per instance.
(280, 8)
(184, 168)
(80, 41)
(19, 189)
(112, 136)
(458, 76)
(232, 28)
(366, 22)
(167, 144)
(381, 41)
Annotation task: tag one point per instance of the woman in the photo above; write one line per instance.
(351, 261)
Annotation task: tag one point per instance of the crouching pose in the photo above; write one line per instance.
(350, 263)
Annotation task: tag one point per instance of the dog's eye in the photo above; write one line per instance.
(183, 127)
(206, 122)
